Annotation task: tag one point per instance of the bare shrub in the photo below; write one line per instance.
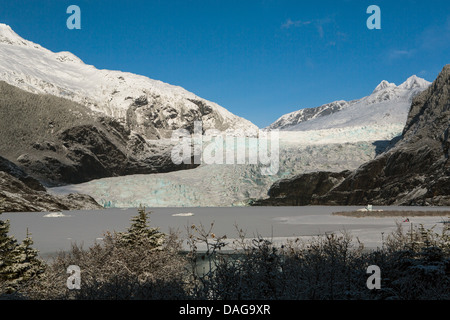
(143, 263)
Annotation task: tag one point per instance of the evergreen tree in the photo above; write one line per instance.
(8, 247)
(18, 262)
(141, 234)
(26, 264)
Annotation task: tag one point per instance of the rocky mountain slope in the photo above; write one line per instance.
(58, 141)
(291, 119)
(148, 107)
(416, 171)
(22, 193)
(337, 143)
(82, 123)
(65, 122)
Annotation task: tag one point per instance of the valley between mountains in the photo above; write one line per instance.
(76, 137)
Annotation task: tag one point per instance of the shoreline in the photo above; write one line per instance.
(392, 213)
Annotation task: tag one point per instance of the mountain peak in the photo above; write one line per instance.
(160, 107)
(383, 85)
(4, 27)
(414, 82)
(7, 35)
(410, 83)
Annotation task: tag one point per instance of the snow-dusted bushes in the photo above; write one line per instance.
(323, 268)
(143, 263)
(414, 264)
(417, 264)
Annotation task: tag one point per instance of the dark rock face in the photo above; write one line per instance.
(22, 193)
(16, 196)
(13, 170)
(416, 171)
(86, 152)
(300, 190)
(61, 142)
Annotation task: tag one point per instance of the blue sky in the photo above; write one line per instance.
(259, 59)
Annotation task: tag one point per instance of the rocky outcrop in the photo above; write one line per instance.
(10, 168)
(16, 196)
(61, 142)
(22, 193)
(416, 171)
(89, 152)
(301, 189)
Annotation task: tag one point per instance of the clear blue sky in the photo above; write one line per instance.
(259, 59)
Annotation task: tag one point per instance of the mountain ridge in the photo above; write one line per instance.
(150, 107)
(415, 171)
(386, 96)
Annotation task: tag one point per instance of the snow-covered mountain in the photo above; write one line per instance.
(388, 105)
(334, 137)
(149, 107)
(414, 172)
(338, 136)
(291, 119)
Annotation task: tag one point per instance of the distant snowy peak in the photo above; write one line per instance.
(307, 114)
(414, 82)
(387, 105)
(383, 85)
(386, 91)
(151, 107)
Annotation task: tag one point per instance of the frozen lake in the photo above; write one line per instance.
(55, 232)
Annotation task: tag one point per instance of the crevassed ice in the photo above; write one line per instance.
(232, 185)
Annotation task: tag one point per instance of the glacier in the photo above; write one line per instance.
(335, 137)
(225, 185)
(355, 132)
(341, 140)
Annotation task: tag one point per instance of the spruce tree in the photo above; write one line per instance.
(7, 246)
(18, 262)
(141, 234)
(26, 264)
(8, 250)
